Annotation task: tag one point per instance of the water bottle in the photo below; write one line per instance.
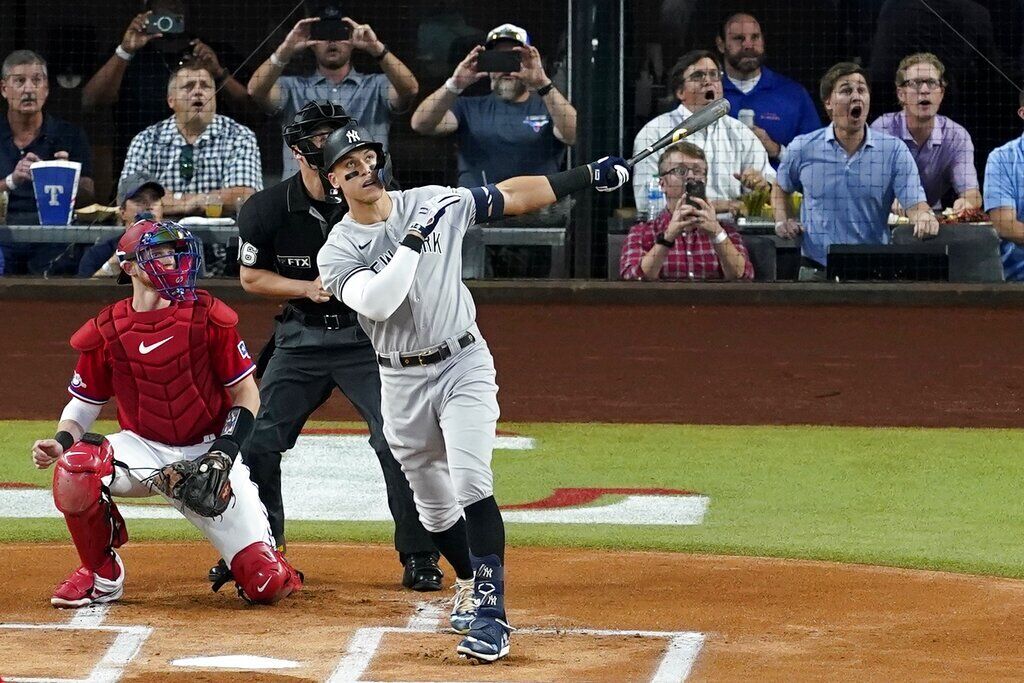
(655, 199)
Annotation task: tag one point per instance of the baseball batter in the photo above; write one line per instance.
(396, 259)
(182, 377)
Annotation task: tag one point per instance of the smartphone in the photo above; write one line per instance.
(165, 23)
(329, 28)
(499, 61)
(695, 188)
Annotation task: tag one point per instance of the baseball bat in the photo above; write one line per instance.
(699, 121)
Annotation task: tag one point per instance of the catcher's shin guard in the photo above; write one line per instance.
(81, 481)
(263, 575)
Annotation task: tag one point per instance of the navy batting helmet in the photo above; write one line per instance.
(351, 137)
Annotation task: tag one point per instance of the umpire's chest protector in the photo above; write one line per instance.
(162, 371)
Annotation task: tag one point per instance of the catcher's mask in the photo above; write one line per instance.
(350, 138)
(168, 253)
(315, 119)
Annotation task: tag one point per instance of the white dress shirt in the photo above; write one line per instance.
(730, 147)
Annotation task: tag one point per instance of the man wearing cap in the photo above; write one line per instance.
(138, 195)
(520, 128)
(27, 135)
(318, 344)
(370, 98)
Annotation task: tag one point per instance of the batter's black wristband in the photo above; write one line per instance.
(65, 439)
(567, 182)
(413, 241)
(238, 425)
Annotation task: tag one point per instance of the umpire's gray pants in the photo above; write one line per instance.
(440, 422)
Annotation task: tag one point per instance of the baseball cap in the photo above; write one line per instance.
(133, 183)
(511, 32)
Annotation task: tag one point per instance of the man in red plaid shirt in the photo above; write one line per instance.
(686, 241)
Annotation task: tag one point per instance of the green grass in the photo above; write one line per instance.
(925, 498)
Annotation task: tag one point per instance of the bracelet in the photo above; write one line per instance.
(545, 89)
(123, 53)
(276, 61)
(721, 237)
(663, 241)
(9, 181)
(383, 54)
(450, 86)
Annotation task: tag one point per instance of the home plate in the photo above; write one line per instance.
(246, 662)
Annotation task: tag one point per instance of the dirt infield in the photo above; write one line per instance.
(760, 619)
(841, 365)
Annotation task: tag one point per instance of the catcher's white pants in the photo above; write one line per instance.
(242, 524)
(440, 422)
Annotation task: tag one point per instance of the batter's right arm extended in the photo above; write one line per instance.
(526, 194)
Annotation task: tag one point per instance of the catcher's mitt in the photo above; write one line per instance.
(202, 485)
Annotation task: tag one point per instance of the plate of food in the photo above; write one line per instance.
(964, 216)
(95, 213)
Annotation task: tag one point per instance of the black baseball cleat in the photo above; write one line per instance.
(219, 574)
(422, 573)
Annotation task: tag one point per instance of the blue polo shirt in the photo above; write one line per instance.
(847, 198)
(781, 106)
(364, 97)
(499, 140)
(1004, 187)
(54, 136)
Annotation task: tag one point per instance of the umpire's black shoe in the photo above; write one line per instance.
(219, 574)
(422, 573)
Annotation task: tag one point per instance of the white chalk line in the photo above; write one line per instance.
(675, 665)
(111, 666)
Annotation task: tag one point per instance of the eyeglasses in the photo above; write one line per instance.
(186, 163)
(919, 83)
(683, 172)
(713, 75)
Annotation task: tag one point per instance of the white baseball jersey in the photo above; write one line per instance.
(439, 305)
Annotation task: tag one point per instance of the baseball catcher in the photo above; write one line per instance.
(171, 356)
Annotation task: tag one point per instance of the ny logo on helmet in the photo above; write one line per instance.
(353, 136)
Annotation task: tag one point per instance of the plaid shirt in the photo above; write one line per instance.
(692, 258)
(225, 155)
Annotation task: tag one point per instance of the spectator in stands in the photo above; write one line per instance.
(522, 127)
(1004, 200)
(943, 150)
(369, 98)
(27, 135)
(849, 175)
(137, 195)
(736, 158)
(197, 154)
(686, 241)
(133, 77)
(782, 107)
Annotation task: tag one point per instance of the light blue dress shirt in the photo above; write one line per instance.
(1004, 187)
(847, 198)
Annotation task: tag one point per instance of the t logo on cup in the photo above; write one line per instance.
(56, 186)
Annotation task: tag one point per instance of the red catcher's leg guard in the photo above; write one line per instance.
(263, 575)
(80, 493)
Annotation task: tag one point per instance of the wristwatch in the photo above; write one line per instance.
(660, 239)
(178, 196)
